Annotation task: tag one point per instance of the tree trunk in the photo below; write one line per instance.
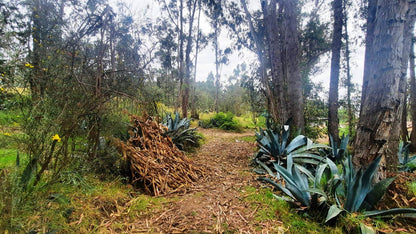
(217, 64)
(371, 17)
(333, 121)
(413, 94)
(351, 114)
(277, 92)
(407, 41)
(291, 49)
(188, 62)
(262, 60)
(379, 125)
(194, 113)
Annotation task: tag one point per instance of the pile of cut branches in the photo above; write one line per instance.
(155, 163)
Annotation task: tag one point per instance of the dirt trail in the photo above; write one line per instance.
(216, 204)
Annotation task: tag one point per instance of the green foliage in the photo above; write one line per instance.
(8, 157)
(180, 132)
(412, 188)
(339, 152)
(276, 146)
(347, 190)
(224, 121)
(407, 164)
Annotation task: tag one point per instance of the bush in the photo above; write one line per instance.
(224, 121)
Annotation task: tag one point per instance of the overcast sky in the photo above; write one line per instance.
(206, 58)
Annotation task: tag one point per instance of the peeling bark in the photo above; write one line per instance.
(379, 125)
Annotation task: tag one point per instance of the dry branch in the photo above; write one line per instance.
(156, 164)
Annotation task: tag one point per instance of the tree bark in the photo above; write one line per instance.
(413, 94)
(291, 49)
(407, 41)
(371, 16)
(333, 121)
(379, 125)
(278, 110)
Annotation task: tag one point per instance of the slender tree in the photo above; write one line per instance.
(407, 41)
(333, 121)
(349, 84)
(412, 78)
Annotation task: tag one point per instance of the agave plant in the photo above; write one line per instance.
(344, 191)
(358, 192)
(275, 147)
(338, 153)
(300, 185)
(407, 164)
(178, 129)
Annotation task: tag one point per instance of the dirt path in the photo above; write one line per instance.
(216, 204)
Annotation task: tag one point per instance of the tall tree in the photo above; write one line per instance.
(182, 16)
(277, 46)
(412, 78)
(291, 63)
(333, 121)
(382, 100)
(407, 41)
(215, 14)
(348, 82)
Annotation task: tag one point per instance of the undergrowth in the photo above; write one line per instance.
(85, 206)
(268, 208)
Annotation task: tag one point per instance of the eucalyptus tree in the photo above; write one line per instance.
(333, 120)
(412, 90)
(182, 15)
(378, 128)
(275, 36)
(409, 27)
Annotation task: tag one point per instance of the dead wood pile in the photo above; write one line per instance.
(156, 164)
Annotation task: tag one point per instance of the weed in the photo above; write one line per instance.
(412, 187)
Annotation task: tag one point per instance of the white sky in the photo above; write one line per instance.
(206, 57)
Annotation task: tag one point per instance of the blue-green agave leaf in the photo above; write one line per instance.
(333, 212)
(376, 193)
(296, 143)
(405, 212)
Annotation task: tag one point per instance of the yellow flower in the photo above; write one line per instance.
(1, 89)
(6, 134)
(56, 138)
(29, 65)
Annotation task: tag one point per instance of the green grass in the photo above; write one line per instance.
(8, 157)
(84, 207)
(272, 209)
(248, 138)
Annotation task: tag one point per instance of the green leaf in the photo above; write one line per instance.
(333, 212)
(296, 143)
(319, 192)
(366, 229)
(376, 193)
(406, 212)
(278, 186)
(266, 168)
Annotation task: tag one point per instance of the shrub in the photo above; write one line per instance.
(224, 121)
